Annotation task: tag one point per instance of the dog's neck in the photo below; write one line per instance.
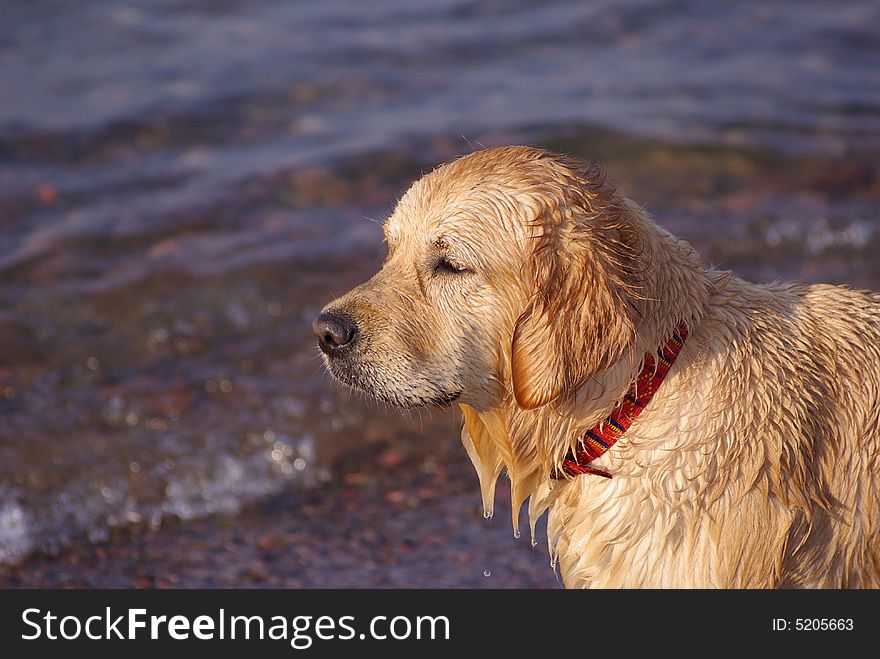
(599, 439)
(531, 444)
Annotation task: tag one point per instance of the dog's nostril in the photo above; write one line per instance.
(333, 330)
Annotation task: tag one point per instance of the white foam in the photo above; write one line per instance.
(15, 534)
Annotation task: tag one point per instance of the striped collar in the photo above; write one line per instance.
(601, 437)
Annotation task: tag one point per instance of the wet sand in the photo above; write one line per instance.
(400, 513)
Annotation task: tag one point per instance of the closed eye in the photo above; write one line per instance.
(447, 265)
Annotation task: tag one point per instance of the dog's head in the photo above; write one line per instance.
(508, 272)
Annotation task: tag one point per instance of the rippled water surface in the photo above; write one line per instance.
(184, 184)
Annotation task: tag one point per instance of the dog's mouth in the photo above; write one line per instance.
(404, 395)
(440, 399)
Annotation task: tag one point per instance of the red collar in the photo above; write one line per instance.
(605, 434)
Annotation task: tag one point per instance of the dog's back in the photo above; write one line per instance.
(820, 350)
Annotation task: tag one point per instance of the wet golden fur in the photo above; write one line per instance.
(521, 285)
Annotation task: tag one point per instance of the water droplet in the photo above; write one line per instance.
(516, 534)
(487, 515)
(225, 386)
(553, 563)
(534, 543)
(92, 363)
(135, 467)
(210, 386)
(299, 464)
(487, 573)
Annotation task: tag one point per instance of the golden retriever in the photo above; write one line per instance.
(522, 286)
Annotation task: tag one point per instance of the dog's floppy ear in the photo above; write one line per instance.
(578, 321)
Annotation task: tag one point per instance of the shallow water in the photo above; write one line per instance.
(184, 184)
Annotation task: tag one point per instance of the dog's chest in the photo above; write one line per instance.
(609, 535)
(650, 525)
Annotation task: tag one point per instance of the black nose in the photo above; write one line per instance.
(334, 331)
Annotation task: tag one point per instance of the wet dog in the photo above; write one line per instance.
(681, 426)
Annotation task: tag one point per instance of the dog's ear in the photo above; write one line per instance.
(578, 321)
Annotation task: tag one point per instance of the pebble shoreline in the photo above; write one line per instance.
(398, 515)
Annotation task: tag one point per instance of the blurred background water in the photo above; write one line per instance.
(183, 184)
